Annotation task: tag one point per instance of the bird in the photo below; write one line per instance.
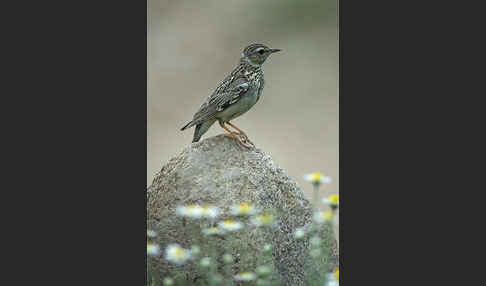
(235, 95)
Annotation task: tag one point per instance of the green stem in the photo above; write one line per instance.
(313, 263)
(315, 196)
(229, 266)
(212, 257)
(149, 274)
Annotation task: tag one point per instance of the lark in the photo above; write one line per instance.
(234, 96)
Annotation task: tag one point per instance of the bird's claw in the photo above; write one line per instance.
(244, 141)
(241, 140)
(244, 136)
(248, 144)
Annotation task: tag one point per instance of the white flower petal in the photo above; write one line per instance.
(153, 249)
(245, 276)
(230, 225)
(176, 254)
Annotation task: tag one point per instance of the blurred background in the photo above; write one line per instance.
(193, 45)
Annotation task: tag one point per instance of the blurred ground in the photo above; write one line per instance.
(193, 45)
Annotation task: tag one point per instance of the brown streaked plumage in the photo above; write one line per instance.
(235, 95)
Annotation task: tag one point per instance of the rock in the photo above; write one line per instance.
(218, 172)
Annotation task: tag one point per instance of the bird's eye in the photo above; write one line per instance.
(261, 52)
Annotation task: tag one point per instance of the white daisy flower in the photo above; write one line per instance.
(176, 254)
(195, 250)
(153, 249)
(332, 283)
(191, 211)
(299, 233)
(212, 231)
(230, 225)
(243, 209)
(205, 262)
(227, 258)
(209, 211)
(332, 201)
(317, 178)
(245, 276)
(168, 281)
(263, 219)
(321, 216)
(333, 278)
(151, 233)
(264, 270)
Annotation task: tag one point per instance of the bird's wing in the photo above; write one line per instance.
(222, 98)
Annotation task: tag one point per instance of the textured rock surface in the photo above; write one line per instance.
(216, 171)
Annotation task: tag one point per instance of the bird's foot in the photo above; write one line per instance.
(243, 134)
(245, 142)
(241, 140)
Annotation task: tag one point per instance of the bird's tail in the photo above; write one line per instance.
(201, 129)
(187, 125)
(197, 133)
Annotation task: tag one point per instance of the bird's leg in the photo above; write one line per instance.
(233, 135)
(239, 130)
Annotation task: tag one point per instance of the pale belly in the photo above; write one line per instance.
(239, 108)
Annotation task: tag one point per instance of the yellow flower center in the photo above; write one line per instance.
(179, 253)
(266, 218)
(334, 199)
(244, 207)
(205, 209)
(336, 274)
(229, 222)
(327, 215)
(246, 274)
(316, 177)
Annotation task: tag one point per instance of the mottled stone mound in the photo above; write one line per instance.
(218, 172)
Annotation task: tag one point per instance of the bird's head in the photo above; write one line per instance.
(256, 54)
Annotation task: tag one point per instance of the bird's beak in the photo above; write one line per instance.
(274, 50)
